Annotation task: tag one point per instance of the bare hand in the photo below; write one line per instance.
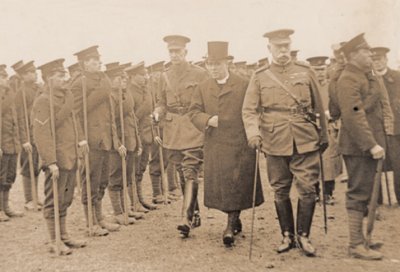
(158, 140)
(213, 121)
(139, 151)
(255, 142)
(83, 148)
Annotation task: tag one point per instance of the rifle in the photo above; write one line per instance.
(254, 202)
(87, 165)
(53, 178)
(373, 202)
(124, 181)
(30, 158)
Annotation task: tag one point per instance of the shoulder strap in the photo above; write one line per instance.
(283, 86)
(168, 82)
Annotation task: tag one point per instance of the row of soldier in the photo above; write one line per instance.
(117, 120)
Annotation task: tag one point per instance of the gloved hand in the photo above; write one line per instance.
(53, 168)
(27, 147)
(122, 151)
(255, 142)
(377, 152)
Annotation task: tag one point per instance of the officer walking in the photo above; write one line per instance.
(181, 139)
(287, 132)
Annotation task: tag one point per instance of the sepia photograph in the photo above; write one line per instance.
(213, 135)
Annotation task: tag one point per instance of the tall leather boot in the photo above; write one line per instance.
(285, 215)
(102, 221)
(228, 236)
(97, 230)
(305, 213)
(66, 238)
(194, 206)
(64, 250)
(187, 208)
(6, 206)
(3, 216)
(237, 226)
(142, 201)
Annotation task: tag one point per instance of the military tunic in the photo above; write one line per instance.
(364, 109)
(63, 153)
(290, 141)
(229, 163)
(10, 144)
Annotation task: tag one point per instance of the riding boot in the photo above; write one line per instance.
(187, 208)
(142, 201)
(305, 213)
(285, 215)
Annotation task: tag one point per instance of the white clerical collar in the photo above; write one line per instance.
(224, 80)
(381, 73)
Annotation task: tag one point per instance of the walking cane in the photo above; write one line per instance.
(53, 178)
(164, 181)
(321, 165)
(30, 158)
(87, 165)
(123, 158)
(373, 202)
(254, 201)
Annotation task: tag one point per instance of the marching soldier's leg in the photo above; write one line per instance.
(9, 165)
(65, 202)
(191, 161)
(96, 160)
(141, 165)
(361, 171)
(101, 191)
(174, 192)
(280, 178)
(48, 210)
(130, 162)
(306, 168)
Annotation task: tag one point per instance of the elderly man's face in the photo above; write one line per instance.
(363, 58)
(380, 63)
(280, 52)
(217, 69)
(177, 56)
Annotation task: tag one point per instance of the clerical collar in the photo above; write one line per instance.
(224, 80)
(381, 73)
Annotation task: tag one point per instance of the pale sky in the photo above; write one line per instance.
(132, 30)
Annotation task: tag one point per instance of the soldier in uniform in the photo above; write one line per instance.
(332, 162)
(263, 62)
(366, 117)
(142, 96)
(132, 144)
(229, 162)
(57, 159)
(74, 70)
(181, 139)
(391, 80)
(287, 132)
(29, 90)
(15, 80)
(102, 135)
(9, 146)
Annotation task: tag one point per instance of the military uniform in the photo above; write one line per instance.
(364, 112)
(181, 139)
(115, 187)
(62, 152)
(10, 147)
(290, 141)
(102, 135)
(30, 91)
